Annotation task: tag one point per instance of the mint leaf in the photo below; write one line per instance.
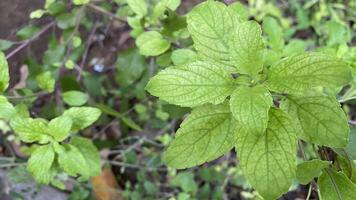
(129, 67)
(80, 2)
(307, 170)
(350, 149)
(138, 6)
(75, 98)
(193, 84)
(319, 119)
(211, 25)
(82, 117)
(206, 134)
(40, 163)
(7, 110)
(4, 73)
(89, 152)
(274, 33)
(250, 106)
(46, 81)
(30, 130)
(36, 14)
(247, 48)
(72, 161)
(60, 127)
(5, 44)
(269, 161)
(152, 43)
(335, 185)
(240, 9)
(301, 72)
(183, 56)
(163, 5)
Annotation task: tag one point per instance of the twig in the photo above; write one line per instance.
(28, 96)
(309, 191)
(85, 55)
(101, 10)
(11, 165)
(29, 41)
(127, 165)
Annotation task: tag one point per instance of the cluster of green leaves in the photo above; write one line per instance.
(56, 151)
(260, 108)
(163, 24)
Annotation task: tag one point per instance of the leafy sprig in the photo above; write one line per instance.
(57, 149)
(262, 110)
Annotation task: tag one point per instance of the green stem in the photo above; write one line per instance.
(309, 191)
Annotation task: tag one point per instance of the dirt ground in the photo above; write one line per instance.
(14, 15)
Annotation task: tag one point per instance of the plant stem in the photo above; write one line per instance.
(101, 10)
(309, 191)
(28, 96)
(29, 41)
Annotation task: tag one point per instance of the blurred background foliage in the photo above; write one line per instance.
(102, 53)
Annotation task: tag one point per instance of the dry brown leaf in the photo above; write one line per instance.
(23, 77)
(106, 187)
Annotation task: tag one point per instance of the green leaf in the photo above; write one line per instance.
(335, 185)
(37, 14)
(90, 153)
(5, 44)
(183, 56)
(82, 117)
(48, 3)
(130, 123)
(185, 180)
(60, 127)
(136, 25)
(302, 72)
(274, 32)
(211, 25)
(80, 2)
(30, 130)
(193, 84)
(75, 98)
(66, 20)
(206, 134)
(127, 121)
(319, 119)
(307, 170)
(163, 5)
(250, 106)
(269, 161)
(152, 43)
(129, 67)
(296, 46)
(138, 6)
(7, 110)
(4, 73)
(240, 9)
(46, 81)
(73, 162)
(350, 149)
(247, 48)
(27, 32)
(164, 60)
(40, 163)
